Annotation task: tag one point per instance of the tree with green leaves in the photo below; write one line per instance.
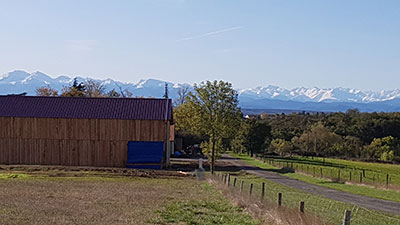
(258, 136)
(385, 149)
(281, 146)
(318, 141)
(347, 147)
(212, 111)
(238, 142)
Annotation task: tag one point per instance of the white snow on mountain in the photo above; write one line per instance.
(20, 81)
(319, 95)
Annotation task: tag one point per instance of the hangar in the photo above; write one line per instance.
(78, 131)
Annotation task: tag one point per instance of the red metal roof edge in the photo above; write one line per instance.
(110, 114)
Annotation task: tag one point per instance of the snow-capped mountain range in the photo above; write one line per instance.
(270, 97)
(319, 95)
(18, 81)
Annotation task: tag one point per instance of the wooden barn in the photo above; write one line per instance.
(102, 132)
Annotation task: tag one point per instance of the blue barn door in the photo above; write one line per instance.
(145, 154)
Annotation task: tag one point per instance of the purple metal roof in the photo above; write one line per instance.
(86, 108)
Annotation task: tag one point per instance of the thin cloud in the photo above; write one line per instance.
(209, 34)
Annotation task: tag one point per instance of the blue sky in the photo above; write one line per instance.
(349, 43)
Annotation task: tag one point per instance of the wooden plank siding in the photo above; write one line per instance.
(73, 142)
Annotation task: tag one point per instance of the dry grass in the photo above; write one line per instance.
(266, 211)
(44, 198)
(67, 195)
(58, 171)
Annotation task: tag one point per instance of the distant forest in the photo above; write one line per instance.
(351, 135)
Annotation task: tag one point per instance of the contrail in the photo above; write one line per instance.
(209, 34)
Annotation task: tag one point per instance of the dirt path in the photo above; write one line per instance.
(363, 201)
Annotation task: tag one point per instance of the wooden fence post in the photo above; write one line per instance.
(350, 175)
(279, 199)
(302, 207)
(363, 173)
(241, 186)
(347, 217)
(228, 180)
(361, 177)
(387, 180)
(234, 182)
(251, 189)
(321, 172)
(339, 175)
(262, 191)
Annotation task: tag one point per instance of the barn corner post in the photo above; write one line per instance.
(167, 133)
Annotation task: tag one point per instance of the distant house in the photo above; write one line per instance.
(104, 132)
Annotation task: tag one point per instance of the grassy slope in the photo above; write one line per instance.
(381, 167)
(215, 210)
(329, 210)
(372, 171)
(96, 199)
(356, 189)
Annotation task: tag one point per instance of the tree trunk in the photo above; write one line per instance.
(213, 157)
(315, 146)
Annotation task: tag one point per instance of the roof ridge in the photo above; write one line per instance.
(84, 97)
(86, 107)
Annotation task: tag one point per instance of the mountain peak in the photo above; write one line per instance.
(15, 75)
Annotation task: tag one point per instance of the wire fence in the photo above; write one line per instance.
(332, 212)
(339, 174)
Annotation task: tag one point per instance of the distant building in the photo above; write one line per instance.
(73, 131)
(251, 116)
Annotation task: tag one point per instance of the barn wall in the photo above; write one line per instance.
(74, 142)
(82, 129)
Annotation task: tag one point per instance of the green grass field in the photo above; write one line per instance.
(351, 171)
(330, 211)
(370, 191)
